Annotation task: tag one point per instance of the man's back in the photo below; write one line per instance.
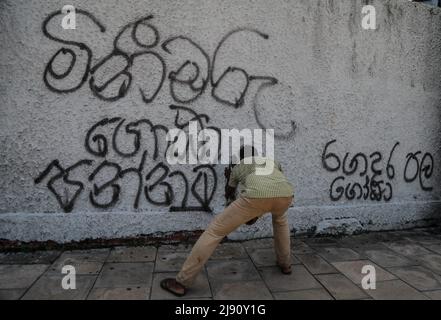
(253, 184)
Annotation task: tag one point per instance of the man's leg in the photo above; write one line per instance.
(236, 214)
(281, 231)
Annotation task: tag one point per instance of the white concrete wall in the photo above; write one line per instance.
(368, 90)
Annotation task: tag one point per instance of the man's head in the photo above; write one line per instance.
(248, 151)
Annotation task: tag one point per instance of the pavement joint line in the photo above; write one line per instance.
(409, 284)
(209, 282)
(29, 287)
(98, 275)
(153, 273)
(259, 272)
(343, 275)
(315, 278)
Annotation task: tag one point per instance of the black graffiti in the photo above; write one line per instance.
(329, 155)
(49, 70)
(111, 183)
(377, 179)
(390, 169)
(99, 139)
(157, 185)
(207, 196)
(373, 187)
(423, 169)
(177, 78)
(236, 102)
(187, 82)
(68, 203)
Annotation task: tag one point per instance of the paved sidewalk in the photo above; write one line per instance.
(407, 263)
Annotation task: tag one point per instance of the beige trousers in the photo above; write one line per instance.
(237, 213)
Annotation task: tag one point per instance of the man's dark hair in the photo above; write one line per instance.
(247, 151)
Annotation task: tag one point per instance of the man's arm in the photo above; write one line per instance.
(230, 192)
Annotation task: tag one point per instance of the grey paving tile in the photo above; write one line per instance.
(241, 290)
(300, 247)
(418, 277)
(316, 264)
(200, 288)
(407, 233)
(228, 250)
(430, 261)
(125, 274)
(48, 287)
(358, 240)
(232, 270)
(435, 230)
(20, 276)
(267, 257)
(168, 261)
(387, 258)
(391, 236)
(359, 247)
(395, 290)
(348, 241)
(181, 247)
(81, 266)
(11, 294)
(407, 248)
(37, 257)
(353, 270)
(335, 254)
(128, 293)
(434, 247)
(340, 287)
(259, 243)
(319, 242)
(132, 254)
(425, 239)
(310, 294)
(433, 295)
(128, 271)
(300, 279)
(415, 233)
(90, 255)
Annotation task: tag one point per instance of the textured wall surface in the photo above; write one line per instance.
(84, 112)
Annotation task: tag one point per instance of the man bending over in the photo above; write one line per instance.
(260, 194)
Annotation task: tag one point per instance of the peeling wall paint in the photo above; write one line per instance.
(84, 112)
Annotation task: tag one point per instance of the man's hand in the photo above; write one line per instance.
(230, 192)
